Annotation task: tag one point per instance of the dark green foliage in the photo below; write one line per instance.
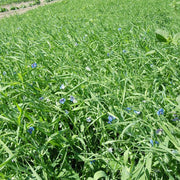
(3, 9)
(14, 8)
(37, 2)
(49, 0)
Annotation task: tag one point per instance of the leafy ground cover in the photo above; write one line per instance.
(90, 89)
(3, 2)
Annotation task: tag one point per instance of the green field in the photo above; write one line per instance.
(90, 89)
(4, 2)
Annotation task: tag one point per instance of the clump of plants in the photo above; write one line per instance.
(49, 0)
(23, 6)
(31, 4)
(14, 8)
(37, 2)
(3, 9)
(164, 36)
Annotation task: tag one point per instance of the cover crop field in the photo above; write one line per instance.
(90, 89)
(3, 2)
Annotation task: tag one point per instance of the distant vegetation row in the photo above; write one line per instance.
(4, 2)
(4, 9)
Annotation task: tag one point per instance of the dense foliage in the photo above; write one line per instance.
(87, 89)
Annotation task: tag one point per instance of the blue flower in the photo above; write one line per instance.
(176, 119)
(62, 86)
(30, 130)
(137, 112)
(160, 112)
(66, 111)
(88, 119)
(119, 29)
(72, 99)
(91, 162)
(108, 54)
(151, 142)
(110, 118)
(159, 131)
(62, 101)
(124, 51)
(34, 65)
(4, 73)
(128, 109)
(76, 44)
(41, 98)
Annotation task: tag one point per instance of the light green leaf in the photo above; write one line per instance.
(125, 173)
(20, 77)
(90, 178)
(176, 38)
(150, 52)
(171, 137)
(34, 172)
(6, 119)
(149, 162)
(178, 100)
(75, 88)
(138, 170)
(126, 156)
(100, 174)
(6, 148)
(162, 35)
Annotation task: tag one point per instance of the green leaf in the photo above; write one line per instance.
(2, 165)
(125, 173)
(6, 148)
(4, 88)
(75, 88)
(149, 162)
(150, 52)
(20, 77)
(162, 35)
(114, 165)
(126, 156)
(34, 172)
(100, 174)
(6, 119)
(176, 38)
(20, 114)
(178, 100)
(171, 137)
(139, 170)
(90, 178)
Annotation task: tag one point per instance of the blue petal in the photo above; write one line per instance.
(160, 112)
(151, 142)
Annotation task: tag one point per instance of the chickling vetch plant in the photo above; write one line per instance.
(90, 90)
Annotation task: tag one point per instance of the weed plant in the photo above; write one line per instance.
(87, 91)
(14, 8)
